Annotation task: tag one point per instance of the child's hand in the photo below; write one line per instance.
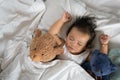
(104, 39)
(65, 17)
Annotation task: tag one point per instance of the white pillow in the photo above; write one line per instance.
(55, 9)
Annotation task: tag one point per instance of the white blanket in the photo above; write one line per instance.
(23, 68)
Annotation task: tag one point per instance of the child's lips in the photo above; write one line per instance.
(70, 48)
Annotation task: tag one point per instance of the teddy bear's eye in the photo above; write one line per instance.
(55, 46)
(34, 48)
(42, 54)
(34, 56)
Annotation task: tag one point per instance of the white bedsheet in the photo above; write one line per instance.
(108, 14)
(19, 18)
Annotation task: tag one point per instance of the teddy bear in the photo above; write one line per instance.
(45, 47)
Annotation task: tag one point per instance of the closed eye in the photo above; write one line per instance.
(79, 44)
(71, 38)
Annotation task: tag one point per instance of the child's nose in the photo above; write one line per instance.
(74, 43)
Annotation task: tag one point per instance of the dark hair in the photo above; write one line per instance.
(87, 25)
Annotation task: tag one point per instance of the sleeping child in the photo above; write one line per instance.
(79, 38)
(78, 45)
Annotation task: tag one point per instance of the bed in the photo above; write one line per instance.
(19, 19)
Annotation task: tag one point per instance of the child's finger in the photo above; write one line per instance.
(104, 38)
(68, 14)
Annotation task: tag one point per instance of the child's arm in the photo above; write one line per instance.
(104, 40)
(56, 27)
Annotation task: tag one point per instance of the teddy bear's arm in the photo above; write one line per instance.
(59, 40)
(58, 50)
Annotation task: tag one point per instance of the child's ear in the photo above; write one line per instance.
(85, 48)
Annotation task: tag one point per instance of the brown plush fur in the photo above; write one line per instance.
(44, 47)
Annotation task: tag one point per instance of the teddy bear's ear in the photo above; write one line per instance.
(38, 33)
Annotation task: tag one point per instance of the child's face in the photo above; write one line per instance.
(76, 41)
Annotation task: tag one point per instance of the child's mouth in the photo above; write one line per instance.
(70, 48)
